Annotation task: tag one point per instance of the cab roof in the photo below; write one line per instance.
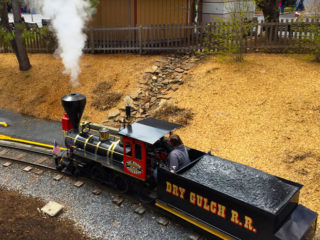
(148, 130)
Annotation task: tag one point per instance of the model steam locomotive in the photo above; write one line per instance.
(227, 199)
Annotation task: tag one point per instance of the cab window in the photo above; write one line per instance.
(137, 151)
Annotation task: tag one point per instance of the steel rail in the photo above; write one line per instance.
(26, 148)
(28, 163)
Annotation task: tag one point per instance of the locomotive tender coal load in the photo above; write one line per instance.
(227, 199)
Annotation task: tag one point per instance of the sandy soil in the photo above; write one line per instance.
(264, 112)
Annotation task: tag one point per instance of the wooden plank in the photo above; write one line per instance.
(179, 38)
(144, 36)
(129, 40)
(198, 37)
(175, 36)
(140, 39)
(310, 34)
(287, 33)
(157, 33)
(162, 34)
(37, 47)
(107, 44)
(189, 37)
(153, 36)
(193, 31)
(293, 33)
(34, 42)
(91, 40)
(300, 30)
(39, 43)
(104, 40)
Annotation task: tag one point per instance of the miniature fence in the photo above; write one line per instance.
(35, 43)
(260, 36)
(144, 39)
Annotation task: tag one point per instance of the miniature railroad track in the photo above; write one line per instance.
(27, 154)
(41, 158)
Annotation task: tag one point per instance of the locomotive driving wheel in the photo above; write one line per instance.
(121, 183)
(99, 174)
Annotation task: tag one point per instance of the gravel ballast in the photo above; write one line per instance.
(95, 214)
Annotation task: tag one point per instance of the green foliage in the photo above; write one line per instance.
(264, 3)
(94, 3)
(310, 41)
(309, 31)
(30, 36)
(5, 37)
(226, 36)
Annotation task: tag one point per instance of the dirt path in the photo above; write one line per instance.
(20, 220)
(264, 113)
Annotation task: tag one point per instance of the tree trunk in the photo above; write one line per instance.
(4, 23)
(18, 44)
(270, 9)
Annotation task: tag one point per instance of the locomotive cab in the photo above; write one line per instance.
(145, 147)
(143, 139)
(134, 157)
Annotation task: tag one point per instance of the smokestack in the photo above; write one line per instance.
(74, 104)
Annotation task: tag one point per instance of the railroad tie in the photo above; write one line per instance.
(7, 164)
(27, 169)
(3, 152)
(97, 191)
(58, 177)
(21, 155)
(40, 160)
(78, 184)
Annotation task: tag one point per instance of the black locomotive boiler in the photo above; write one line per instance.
(227, 199)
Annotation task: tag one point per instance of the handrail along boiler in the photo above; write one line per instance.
(227, 199)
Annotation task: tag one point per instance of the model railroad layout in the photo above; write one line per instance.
(227, 199)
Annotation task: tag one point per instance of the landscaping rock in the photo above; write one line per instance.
(134, 94)
(114, 113)
(154, 68)
(179, 70)
(174, 88)
(52, 208)
(128, 100)
(163, 76)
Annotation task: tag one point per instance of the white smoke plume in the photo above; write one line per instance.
(68, 18)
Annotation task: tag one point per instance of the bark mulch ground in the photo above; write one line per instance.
(20, 219)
